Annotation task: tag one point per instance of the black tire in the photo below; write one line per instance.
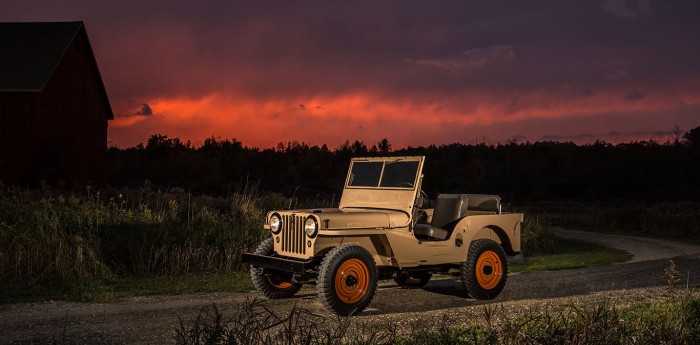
(485, 272)
(271, 283)
(415, 280)
(353, 269)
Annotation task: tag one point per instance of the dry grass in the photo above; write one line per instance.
(668, 321)
(50, 235)
(666, 219)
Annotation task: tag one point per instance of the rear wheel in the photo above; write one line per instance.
(412, 280)
(486, 269)
(273, 284)
(347, 279)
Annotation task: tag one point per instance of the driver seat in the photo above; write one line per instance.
(449, 209)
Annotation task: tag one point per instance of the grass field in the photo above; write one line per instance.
(568, 254)
(89, 245)
(665, 220)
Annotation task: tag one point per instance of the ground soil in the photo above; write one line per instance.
(153, 319)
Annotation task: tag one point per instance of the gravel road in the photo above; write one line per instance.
(149, 320)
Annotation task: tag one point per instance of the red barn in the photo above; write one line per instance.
(53, 106)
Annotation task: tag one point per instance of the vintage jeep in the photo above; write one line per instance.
(381, 230)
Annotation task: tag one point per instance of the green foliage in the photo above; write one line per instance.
(57, 237)
(536, 237)
(674, 321)
(568, 254)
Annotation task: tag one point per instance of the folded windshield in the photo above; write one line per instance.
(383, 174)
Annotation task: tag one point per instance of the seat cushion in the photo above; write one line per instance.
(426, 231)
(449, 207)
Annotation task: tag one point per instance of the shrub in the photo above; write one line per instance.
(536, 236)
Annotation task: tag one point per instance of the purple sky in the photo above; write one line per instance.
(414, 72)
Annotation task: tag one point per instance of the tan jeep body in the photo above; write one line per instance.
(380, 210)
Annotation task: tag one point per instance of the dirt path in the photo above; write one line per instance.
(149, 320)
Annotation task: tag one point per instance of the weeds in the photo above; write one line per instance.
(61, 236)
(674, 321)
(672, 276)
(667, 219)
(255, 322)
(536, 237)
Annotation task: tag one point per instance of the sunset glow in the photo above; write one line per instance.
(415, 73)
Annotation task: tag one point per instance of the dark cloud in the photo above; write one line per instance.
(628, 8)
(578, 90)
(634, 95)
(144, 110)
(450, 56)
(472, 58)
(619, 74)
(283, 49)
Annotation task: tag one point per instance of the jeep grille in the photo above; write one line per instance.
(293, 236)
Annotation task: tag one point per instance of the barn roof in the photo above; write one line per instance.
(30, 52)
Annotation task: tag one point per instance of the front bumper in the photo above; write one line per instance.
(281, 264)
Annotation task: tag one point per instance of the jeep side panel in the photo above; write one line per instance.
(411, 252)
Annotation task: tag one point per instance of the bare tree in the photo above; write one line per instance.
(677, 132)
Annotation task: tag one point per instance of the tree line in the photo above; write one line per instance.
(644, 170)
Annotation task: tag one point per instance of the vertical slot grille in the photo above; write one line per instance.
(293, 234)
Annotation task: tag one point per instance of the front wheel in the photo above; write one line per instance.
(486, 269)
(347, 279)
(272, 283)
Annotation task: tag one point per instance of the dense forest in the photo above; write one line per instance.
(647, 170)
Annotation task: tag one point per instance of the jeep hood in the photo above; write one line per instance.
(357, 218)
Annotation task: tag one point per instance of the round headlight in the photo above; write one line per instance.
(275, 223)
(311, 227)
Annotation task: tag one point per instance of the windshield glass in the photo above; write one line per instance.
(365, 174)
(399, 174)
(389, 174)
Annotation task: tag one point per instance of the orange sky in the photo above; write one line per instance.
(333, 120)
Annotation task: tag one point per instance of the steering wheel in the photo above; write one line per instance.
(423, 194)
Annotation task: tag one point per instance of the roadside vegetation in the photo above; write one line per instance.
(93, 245)
(89, 245)
(667, 220)
(544, 251)
(670, 320)
(180, 212)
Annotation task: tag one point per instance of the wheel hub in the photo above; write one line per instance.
(352, 281)
(489, 269)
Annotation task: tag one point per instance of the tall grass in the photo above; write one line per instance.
(674, 321)
(64, 235)
(667, 219)
(536, 236)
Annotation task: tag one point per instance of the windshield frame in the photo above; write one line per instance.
(385, 161)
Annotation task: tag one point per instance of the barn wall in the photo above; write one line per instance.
(59, 134)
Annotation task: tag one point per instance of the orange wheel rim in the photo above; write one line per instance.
(278, 282)
(352, 281)
(489, 269)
